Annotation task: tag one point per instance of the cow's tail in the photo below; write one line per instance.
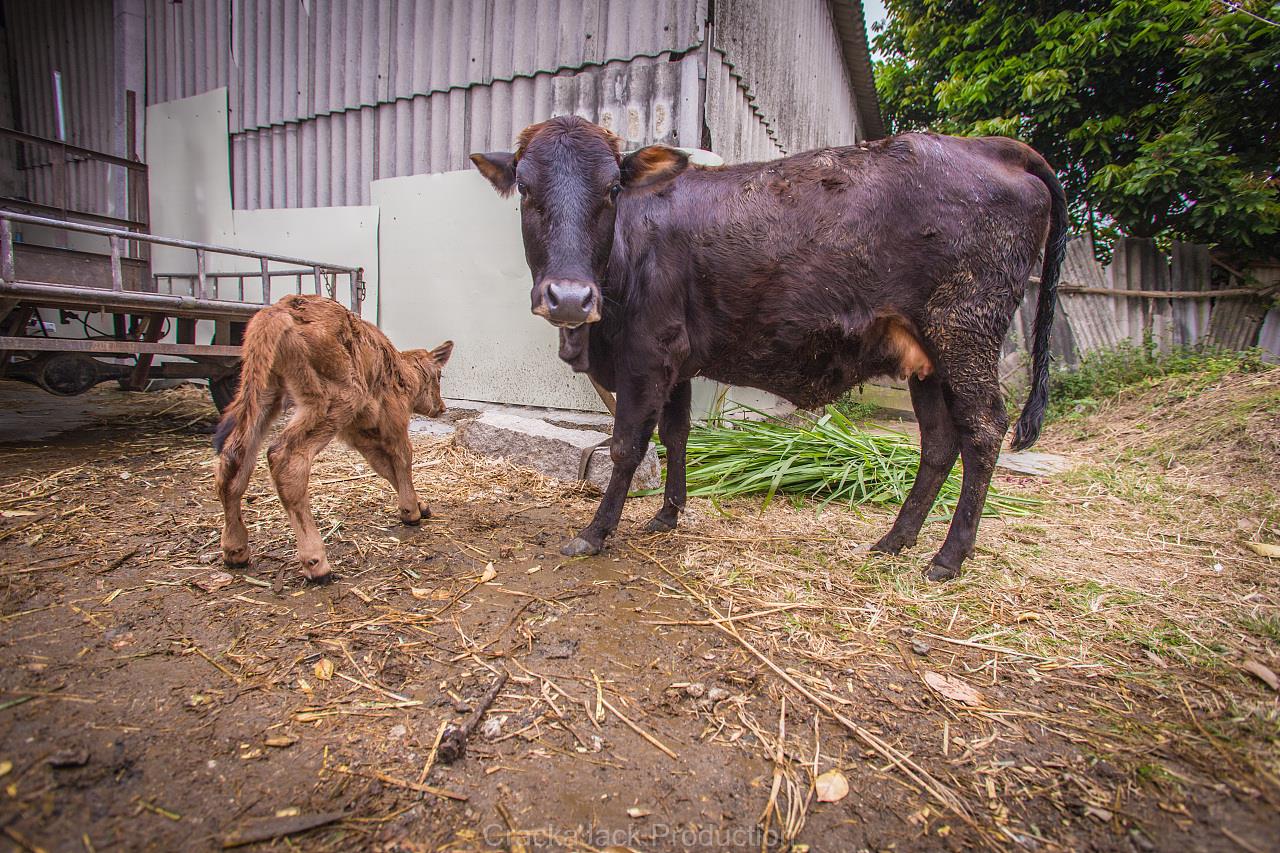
(1028, 427)
(249, 415)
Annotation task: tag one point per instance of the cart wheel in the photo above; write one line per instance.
(224, 389)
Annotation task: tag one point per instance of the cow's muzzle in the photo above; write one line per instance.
(568, 302)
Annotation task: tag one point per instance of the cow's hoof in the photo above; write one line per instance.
(316, 569)
(889, 544)
(579, 547)
(658, 524)
(939, 572)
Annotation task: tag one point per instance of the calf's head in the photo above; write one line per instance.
(428, 365)
(571, 176)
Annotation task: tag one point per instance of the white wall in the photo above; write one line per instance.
(190, 183)
(453, 267)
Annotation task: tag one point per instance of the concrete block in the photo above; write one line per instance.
(1034, 463)
(553, 450)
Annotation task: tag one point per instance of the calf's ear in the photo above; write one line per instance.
(441, 353)
(499, 168)
(652, 166)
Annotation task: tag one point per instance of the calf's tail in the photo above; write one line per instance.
(249, 414)
(1028, 427)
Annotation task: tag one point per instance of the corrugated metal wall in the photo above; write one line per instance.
(330, 160)
(328, 95)
(77, 38)
(791, 63)
(291, 61)
(738, 131)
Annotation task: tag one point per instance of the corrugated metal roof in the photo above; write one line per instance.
(640, 100)
(288, 61)
(851, 25)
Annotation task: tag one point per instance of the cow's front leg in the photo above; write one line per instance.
(632, 426)
(673, 429)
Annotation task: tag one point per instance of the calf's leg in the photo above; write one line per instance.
(673, 429)
(632, 426)
(976, 404)
(939, 447)
(235, 468)
(290, 458)
(391, 455)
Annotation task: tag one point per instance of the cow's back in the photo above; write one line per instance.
(781, 268)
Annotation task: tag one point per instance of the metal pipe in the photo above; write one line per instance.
(86, 153)
(266, 283)
(168, 241)
(41, 344)
(133, 300)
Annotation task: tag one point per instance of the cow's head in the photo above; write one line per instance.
(570, 174)
(429, 364)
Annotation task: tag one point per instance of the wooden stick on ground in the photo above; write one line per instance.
(635, 728)
(453, 743)
(276, 827)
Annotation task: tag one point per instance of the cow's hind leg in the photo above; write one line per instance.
(391, 455)
(235, 467)
(976, 404)
(673, 429)
(290, 458)
(632, 427)
(939, 447)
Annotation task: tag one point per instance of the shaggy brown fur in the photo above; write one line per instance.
(345, 379)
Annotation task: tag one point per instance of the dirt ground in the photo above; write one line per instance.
(1094, 681)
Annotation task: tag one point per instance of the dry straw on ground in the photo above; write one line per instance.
(1090, 679)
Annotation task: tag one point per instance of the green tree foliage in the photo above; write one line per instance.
(1162, 117)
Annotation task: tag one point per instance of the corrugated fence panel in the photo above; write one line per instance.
(791, 62)
(279, 166)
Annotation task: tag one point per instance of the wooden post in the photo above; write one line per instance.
(151, 332)
(6, 251)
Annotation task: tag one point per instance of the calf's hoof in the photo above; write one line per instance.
(236, 558)
(315, 569)
(579, 547)
(939, 571)
(412, 519)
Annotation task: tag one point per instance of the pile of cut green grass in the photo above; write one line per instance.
(828, 459)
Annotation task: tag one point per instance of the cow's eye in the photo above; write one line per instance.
(614, 189)
(522, 188)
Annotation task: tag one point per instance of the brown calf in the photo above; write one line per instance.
(345, 380)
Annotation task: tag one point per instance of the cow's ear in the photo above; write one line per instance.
(499, 168)
(652, 166)
(441, 353)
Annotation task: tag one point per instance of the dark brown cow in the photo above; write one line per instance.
(346, 380)
(803, 277)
